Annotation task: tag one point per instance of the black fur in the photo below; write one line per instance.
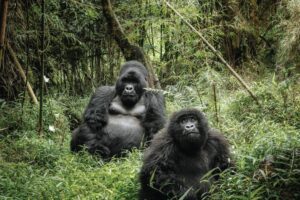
(174, 163)
(101, 132)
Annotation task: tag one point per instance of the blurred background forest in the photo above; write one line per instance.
(260, 39)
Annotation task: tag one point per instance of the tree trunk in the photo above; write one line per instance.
(130, 51)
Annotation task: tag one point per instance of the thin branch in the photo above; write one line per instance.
(3, 129)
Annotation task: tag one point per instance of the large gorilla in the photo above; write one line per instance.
(120, 117)
(180, 155)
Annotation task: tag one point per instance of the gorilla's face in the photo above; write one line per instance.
(189, 126)
(130, 87)
(189, 129)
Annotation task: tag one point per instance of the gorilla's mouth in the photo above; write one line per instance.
(191, 133)
(129, 95)
(129, 100)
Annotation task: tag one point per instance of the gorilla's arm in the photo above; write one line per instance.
(95, 144)
(78, 139)
(218, 147)
(165, 181)
(96, 113)
(159, 174)
(155, 115)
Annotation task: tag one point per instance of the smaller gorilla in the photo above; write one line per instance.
(180, 155)
(122, 116)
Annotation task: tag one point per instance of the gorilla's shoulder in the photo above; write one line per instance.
(105, 89)
(215, 134)
(154, 92)
(216, 139)
(160, 149)
(157, 97)
(101, 96)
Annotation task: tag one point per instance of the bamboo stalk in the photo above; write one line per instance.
(4, 8)
(215, 102)
(40, 128)
(3, 21)
(235, 74)
(22, 73)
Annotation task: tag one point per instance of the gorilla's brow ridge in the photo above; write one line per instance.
(187, 116)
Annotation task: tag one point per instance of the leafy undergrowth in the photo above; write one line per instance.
(265, 142)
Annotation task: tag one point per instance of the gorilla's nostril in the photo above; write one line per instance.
(129, 88)
(190, 126)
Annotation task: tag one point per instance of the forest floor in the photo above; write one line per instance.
(265, 142)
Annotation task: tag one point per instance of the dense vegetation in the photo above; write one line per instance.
(260, 39)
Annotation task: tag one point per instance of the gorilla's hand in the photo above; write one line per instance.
(95, 147)
(103, 151)
(96, 118)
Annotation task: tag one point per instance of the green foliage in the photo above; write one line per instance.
(255, 36)
(80, 55)
(58, 174)
(289, 45)
(265, 144)
(280, 103)
(24, 117)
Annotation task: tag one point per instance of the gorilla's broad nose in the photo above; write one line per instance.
(189, 127)
(129, 88)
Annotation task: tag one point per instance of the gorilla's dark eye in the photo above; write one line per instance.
(184, 120)
(193, 119)
(189, 118)
(181, 120)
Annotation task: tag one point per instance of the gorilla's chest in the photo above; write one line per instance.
(193, 168)
(124, 124)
